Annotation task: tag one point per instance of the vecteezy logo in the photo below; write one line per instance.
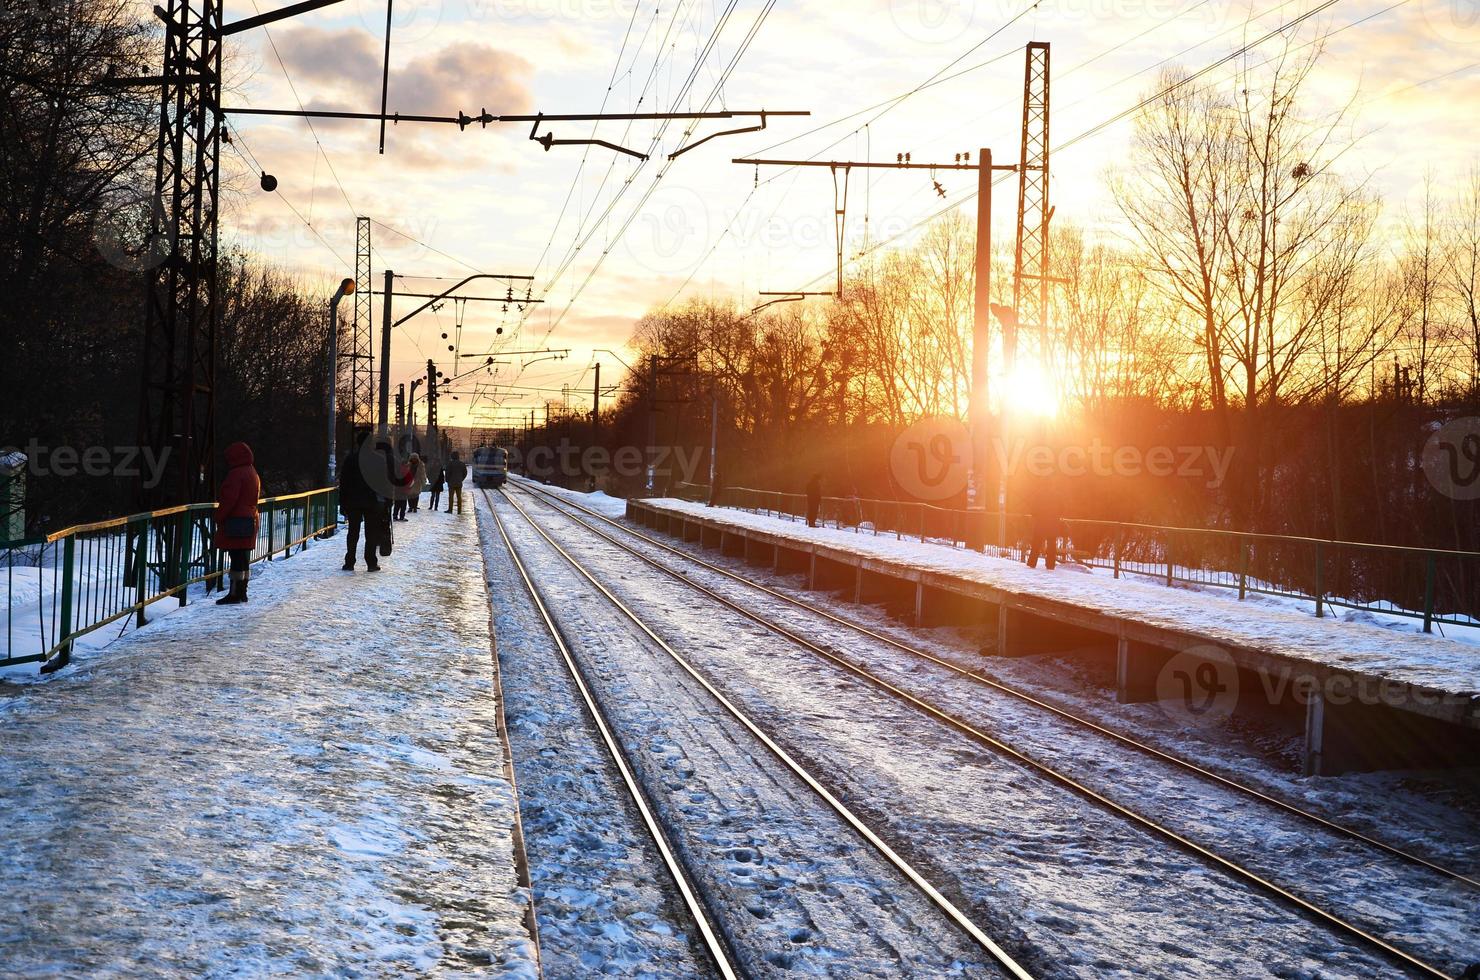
(1451, 459)
(411, 20)
(668, 235)
(1198, 686)
(1452, 22)
(931, 21)
(133, 233)
(931, 458)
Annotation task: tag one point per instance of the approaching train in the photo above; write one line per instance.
(490, 466)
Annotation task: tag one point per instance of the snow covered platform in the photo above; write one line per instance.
(1371, 696)
(309, 784)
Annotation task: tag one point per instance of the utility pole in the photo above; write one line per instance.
(596, 405)
(981, 331)
(400, 407)
(431, 403)
(387, 324)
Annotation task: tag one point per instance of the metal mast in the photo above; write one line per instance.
(177, 400)
(1030, 276)
(361, 347)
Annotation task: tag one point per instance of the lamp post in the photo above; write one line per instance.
(346, 287)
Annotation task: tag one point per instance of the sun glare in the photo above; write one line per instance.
(1030, 390)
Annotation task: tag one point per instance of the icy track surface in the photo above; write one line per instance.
(797, 891)
(602, 895)
(309, 784)
(1093, 896)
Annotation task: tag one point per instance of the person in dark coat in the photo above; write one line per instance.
(1046, 519)
(814, 499)
(716, 487)
(359, 503)
(418, 482)
(457, 472)
(436, 480)
(236, 518)
(404, 477)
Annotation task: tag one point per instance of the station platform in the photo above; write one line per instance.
(308, 784)
(1372, 697)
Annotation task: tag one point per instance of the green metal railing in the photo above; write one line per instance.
(1427, 584)
(63, 586)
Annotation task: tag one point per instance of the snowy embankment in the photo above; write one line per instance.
(308, 784)
(1355, 645)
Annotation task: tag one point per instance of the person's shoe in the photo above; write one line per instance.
(372, 568)
(233, 597)
(349, 565)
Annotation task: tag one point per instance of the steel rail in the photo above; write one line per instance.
(986, 681)
(1235, 869)
(713, 945)
(972, 930)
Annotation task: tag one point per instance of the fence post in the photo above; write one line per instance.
(1430, 572)
(183, 561)
(922, 522)
(1243, 567)
(270, 538)
(1320, 578)
(1119, 547)
(141, 570)
(1169, 558)
(69, 557)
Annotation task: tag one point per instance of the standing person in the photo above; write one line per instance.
(418, 481)
(716, 487)
(402, 490)
(814, 499)
(359, 503)
(1045, 526)
(436, 480)
(236, 518)
(457, 472)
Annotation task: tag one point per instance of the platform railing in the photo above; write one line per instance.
(1434, 586)
(65, 585)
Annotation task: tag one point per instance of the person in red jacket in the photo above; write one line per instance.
(236, 518)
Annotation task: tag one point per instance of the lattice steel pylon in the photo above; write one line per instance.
(181, 316)
(1030, 265)
(361, 346)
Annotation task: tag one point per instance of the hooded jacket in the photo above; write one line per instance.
(238, 498)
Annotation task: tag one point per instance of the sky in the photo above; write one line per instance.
(608, 237)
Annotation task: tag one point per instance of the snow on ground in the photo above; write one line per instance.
(602, 896)
(794, 887)
(1093, 896)
(1416, 908)
(1356, 645)
(308, 784)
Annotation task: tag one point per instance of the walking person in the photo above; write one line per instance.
(359, 504)
(403, 491)
(1044, 536)
(436, 480)
(814, 499)
(418, 480)
(236, 519)
(457, 472)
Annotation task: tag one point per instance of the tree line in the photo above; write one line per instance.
(77, 160)
(1258, 299)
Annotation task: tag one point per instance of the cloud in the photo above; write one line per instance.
(464, 75)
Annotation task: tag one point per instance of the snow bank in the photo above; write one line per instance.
(1353, 644)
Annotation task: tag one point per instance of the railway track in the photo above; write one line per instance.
(978, 937)
(714, 946)
(1364, 937)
